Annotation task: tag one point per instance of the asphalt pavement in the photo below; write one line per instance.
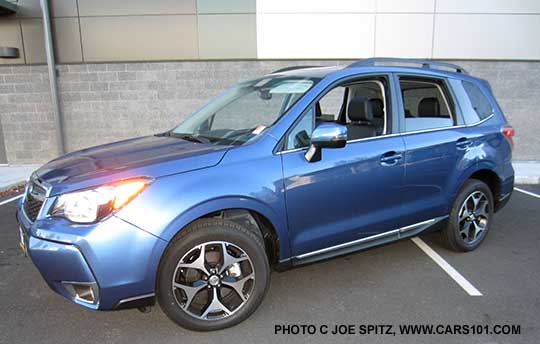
(397, 284)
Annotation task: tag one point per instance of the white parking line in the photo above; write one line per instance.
(10, 200)
(456, 276)
(527, 192)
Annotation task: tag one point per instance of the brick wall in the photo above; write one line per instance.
(108, 102)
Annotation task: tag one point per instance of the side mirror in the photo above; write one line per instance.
(326, 135)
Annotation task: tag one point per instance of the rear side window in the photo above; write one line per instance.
(478, 99)
(425, 104)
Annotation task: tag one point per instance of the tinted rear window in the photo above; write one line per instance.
(479, 101)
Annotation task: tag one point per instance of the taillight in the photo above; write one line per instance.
(508, 132)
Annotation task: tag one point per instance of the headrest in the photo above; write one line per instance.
(377, 107)
(429, 107)
(359, 109)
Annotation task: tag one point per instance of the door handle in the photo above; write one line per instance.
(390, 158)
(463, 143)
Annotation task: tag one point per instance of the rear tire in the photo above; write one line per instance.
(470, 218)
(222, 288)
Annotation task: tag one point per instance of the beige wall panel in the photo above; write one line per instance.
(463, 36)
(59, 8)
(139, 38)
(404, 35)
(128, 7)
(229, 6)
(67, 40)
(10, 36)
(227, 36)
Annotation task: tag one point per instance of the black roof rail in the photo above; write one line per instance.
(424, 63)
(286, 69)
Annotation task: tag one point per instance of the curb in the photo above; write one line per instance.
(526, 180)
(13, 185)
(12, 188)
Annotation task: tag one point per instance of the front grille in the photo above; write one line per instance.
(32, 206)
(33, 200)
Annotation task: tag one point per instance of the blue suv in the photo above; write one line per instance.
(300, 165)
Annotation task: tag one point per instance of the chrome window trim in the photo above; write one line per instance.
(400, 134)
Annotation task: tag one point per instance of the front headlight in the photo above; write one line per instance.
(92, 205)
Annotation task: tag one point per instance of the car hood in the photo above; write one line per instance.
(151, 156)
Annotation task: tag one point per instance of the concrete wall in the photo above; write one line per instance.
(113, 101)
(152, 30)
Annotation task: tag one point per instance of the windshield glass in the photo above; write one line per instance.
(244, 111)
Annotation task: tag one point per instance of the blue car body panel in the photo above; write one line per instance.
(149, 156)
(359, 193)
(349, 195)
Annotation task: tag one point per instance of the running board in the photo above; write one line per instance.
(367, 242)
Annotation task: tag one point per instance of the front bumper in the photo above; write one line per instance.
(113, 260)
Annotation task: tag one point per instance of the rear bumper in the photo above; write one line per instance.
(507, 187)
(108, 265)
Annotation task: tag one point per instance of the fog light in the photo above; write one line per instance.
(85, 292)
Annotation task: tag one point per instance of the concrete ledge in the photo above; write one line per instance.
(15, 175)
(527, 172)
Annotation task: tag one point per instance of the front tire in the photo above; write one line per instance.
(213, 275)
(470, 218)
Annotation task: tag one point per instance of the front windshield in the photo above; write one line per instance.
(244, 111)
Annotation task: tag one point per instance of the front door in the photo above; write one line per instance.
(351, 193)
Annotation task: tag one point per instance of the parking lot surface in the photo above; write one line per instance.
(391, 285)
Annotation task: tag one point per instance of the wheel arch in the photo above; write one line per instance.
(253, 212)
(486, 173)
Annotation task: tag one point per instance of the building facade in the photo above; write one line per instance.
(136, 67)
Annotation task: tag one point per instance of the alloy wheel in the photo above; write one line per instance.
(473, 217)
(213, 280)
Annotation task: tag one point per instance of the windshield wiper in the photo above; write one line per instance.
(188, 137)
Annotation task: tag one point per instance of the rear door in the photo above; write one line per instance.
(437, 146)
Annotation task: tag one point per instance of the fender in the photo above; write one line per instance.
(467, 173)
(231, 202)
(487, 165)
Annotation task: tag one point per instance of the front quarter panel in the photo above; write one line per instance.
(248, 177)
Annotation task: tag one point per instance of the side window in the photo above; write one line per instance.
(360, 105)
(479, 101)
(300, 136)
(425, 104)
(331, 104)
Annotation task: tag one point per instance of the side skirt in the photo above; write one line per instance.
(360, 244)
